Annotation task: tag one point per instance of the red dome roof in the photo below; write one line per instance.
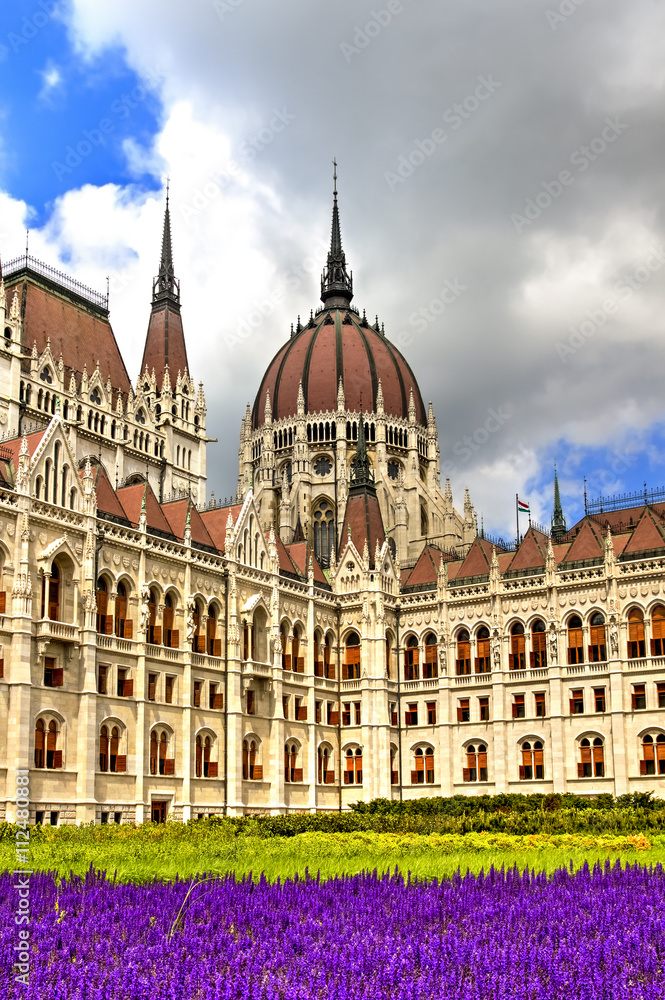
(337, 343)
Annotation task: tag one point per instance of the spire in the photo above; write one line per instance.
(558, 520)
(165, 340)
(336, 282)
(361, 474)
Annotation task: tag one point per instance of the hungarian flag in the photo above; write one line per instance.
(523, 507)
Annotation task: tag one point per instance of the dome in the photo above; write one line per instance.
(338, 343)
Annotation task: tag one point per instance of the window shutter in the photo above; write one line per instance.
(532, 659)
(347, 777)
(287, 661)
(334, 718)
(482, 759)
(300, 664)
(108, 625)
(643, 767)
(329, 777)
(218, 701)
(2, 668)
(653, 647)
(212, 769)
(477, 665)
(58, 677)
(169, 765)
(128, 689)
(394, 778)
(407, 717)
(580, 770)
(522, 772)
(57, 758)
(571, 704)
(585, 755)
(3, 601)
(331, 672)
(157, 635)
(216, 647)
(512, 661)
(466, 774)
(199, 643)
(318, 668)
(420, 763)
(633, 699)
(598, 755)
(393, 719)
(175, 639)
(345, 671)
(515, 716)
(258, 772)
(302, 714)
(297, 774)
(121, 762)
(129, 629)
(459, 713)
(538, 758)
(414, 777)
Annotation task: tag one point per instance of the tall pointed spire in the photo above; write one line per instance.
(165, 340)
(336, 282)
(558, 520)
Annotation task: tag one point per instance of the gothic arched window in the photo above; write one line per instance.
(324, 532)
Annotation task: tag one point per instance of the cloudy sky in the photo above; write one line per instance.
(501, 190)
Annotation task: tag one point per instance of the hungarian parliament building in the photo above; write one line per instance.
(341, 631)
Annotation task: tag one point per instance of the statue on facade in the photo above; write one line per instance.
(145, 610)
(191, 622)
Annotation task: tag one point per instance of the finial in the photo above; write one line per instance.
(335, 179)
(558, 520)
(336, 282)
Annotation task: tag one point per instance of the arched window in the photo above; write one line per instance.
(430, 667)
(389, 655)
(463, 652)
(423, 772)
(411, 659)
(161, 760)
(251, 771)
(38, 488)
(575, 640)
(214, 644)
(198, 641)
(636, 648)
(517, 655)
(205, 768)
(483, 661)
(658, 631)
(424, 520)
(47, 478)
(123, 627)
(532, 765)
(104, 620)
(110, 758)
(351, 668)
(64, 477)
(328, 663)
(291, 772)
(538, 647)
(394, 772)
(353, 770)
(318, 662)
(476, 763)
(597, 646)
(325, 774)
(154, 631)
(324, 532)
(171, 635)
(297, 661)
(46, 745)
(51, 600)
(653, 755)
(592, 759)
(56, 463)
(40, 744)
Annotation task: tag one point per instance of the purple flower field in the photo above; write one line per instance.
(501, 936)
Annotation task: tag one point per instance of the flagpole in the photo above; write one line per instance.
(517, 521)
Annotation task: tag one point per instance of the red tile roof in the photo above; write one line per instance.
(131, 498)
(215, 520)
(426, 569)
(300, 553)
(647, 535)
(531, 552)
(176, 514)
(107, 498)
(479, 557)
(9, 452)
(587, 544)
(84, 336)
(363, 514)
(165, 341)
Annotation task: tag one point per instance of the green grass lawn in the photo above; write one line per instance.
(147, 852)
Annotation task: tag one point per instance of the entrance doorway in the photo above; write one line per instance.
(159, 812)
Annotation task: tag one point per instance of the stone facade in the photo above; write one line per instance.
(163, 658)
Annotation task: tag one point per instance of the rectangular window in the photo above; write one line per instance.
(54, 818)
(152, 687)
(215, 699)
(39, 817)
(102, 673)
(639, 698)
(285, 704)
(540, 703)
(125, 686)
(198, 687)
(660, 690)
(518, 706)
(484, 709)
(411, 716)
(463, 710)
(105, 818)
(301, 710)
(117, 818)
(53, 676)
(317, 711)
(346, 713)
(392, 711)
(332, 714)
(356, 707)
(168, 690)
(431, 713)
(599, 699)
(577, 702)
